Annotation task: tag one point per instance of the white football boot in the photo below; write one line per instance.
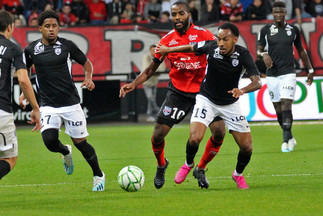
(284, 147)
(291, 144)
(98, 183)
(68, 161)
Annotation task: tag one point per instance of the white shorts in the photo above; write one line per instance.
(281, 87)
(8, 137)
(72, 116)
(205, 111)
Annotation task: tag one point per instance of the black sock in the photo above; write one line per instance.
(4, 168)
(243, 160)
(88, 153)
(287, 125)
(191, 151)
(280, 119)
(51, 141)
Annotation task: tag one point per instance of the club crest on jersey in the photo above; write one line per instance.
(39, 49)
(289, 32)
(235, 62)
(167, 110)
(58, 50)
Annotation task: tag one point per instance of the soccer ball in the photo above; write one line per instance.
(131, 178)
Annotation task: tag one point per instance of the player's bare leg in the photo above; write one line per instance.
(244, 141)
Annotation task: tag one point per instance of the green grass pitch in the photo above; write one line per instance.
(280, 183)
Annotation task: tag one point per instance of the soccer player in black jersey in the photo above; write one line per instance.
(11, 54)
(51, 55)
(279, 38)
(218, 97)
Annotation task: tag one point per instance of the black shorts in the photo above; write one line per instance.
(175, 107)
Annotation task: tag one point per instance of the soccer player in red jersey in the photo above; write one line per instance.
(187, 73)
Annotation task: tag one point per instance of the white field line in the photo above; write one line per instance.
(294, 123)
(209, 177)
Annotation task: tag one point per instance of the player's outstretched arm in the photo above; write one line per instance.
(88, 70)
(253, 86)
(164, 50)
(143, 76)
(28, 92)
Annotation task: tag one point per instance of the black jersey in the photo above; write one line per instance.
(279, 43)
(223, 72)
(53, 64)
(10, 55)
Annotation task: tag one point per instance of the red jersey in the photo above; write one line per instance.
(227, 9)
(11, 3)
(187, 69)
(67, 18)
(97, 8)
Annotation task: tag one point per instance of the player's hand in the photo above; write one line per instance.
(267, 60)
(126, 88)
(236, 93)
(88, 83)
(161, 49)
(309, 80)
(23, 101)
(35, 119)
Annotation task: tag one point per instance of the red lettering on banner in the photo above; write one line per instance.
(260, 102)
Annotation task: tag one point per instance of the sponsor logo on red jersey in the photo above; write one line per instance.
(173, 42)
(192, 37)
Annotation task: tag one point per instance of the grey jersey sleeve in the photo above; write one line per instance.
(203, 47)
(76, 53)
(249, 64)
(27, 56)
(297, 41)
(18, 58)
(262, 37)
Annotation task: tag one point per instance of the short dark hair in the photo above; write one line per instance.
(279, 4)
(6, 19)
(234, 29)
(181, 2)
(166, 13)
(47, 14)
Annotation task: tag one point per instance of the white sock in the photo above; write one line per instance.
(189, 165)
(237, 174)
